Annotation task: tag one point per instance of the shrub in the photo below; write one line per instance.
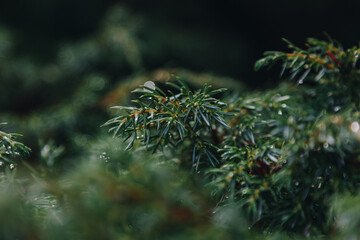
(205, 164)
(286, 152)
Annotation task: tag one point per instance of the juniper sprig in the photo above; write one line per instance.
(168, 119)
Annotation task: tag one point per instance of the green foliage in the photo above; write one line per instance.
(144, 200)
(10, 150)
(283, 162)
(162, 120)
(252, 152)
(346, 209)
(286, 153)
(326, 64)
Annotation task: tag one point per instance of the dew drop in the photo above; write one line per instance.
(45, 151)
(104, 156)
(149, 84)
(151, 114)
(355, 126)
(136, 117)
(337, 108)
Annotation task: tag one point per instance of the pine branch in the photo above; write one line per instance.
(10, 150)
(166, 119)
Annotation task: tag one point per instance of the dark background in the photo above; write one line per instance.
(232, 34)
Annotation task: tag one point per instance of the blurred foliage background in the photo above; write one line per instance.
(63, 63)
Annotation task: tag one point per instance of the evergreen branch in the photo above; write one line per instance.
(164, 121)
(11, 149)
